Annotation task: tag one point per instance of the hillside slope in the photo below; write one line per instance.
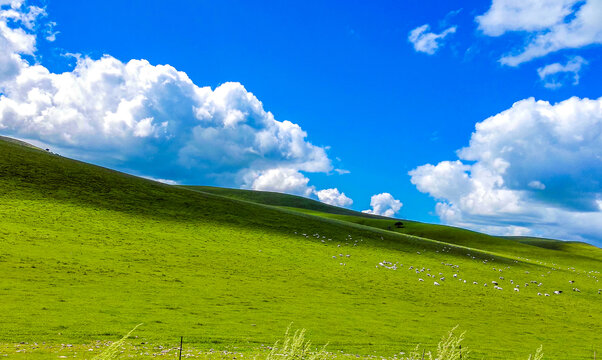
(452, 235)
(279, 199)
(87, 253)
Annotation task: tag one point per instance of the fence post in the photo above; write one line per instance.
(181, 340)
(460, 352)
(423, 350)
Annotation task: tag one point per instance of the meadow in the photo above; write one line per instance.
(86, 253)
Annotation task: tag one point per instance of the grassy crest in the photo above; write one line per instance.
(86, 252)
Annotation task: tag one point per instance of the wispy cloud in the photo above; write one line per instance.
(428, 42)
(548, 25)
(554, 75)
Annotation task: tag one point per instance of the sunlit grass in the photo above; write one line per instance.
(86, 253)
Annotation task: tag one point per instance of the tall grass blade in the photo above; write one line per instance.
(112, 351)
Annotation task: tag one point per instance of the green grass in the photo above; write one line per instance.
(87, 253)
(279, 199)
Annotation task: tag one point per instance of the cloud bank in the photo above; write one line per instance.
(534, 169)
(149, 120)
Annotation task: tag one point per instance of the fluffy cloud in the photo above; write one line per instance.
(146, 119)
(384, 204)
(15, 41)
(428, 42)
(554, 75)
(334, 197)
(567, 24)
(534, 168)
(279, 180)
(517, 15)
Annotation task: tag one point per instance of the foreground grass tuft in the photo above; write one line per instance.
(450, 347)
(112, 351)
(538, 354)
(295, 347)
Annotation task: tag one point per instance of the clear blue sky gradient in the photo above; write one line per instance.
(343, 70)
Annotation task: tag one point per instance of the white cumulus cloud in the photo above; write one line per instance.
(554, 75)
(384, 204)
(15, 41)
(334, 197)
(279, 180)
(426, 41)
(536, 166)
(548, 25)
(150, 120)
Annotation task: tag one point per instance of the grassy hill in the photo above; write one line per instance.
(281, 200)
(86, 253)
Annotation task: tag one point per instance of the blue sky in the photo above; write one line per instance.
(371, 102)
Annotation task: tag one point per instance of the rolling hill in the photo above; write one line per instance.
(86, 253)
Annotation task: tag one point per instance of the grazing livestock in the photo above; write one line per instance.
(436, 283)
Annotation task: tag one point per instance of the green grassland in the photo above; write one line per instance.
(87, 253)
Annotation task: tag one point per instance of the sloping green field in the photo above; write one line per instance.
(87, 253)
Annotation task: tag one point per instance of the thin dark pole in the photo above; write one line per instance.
(423, 354)
(181, 340)
(460, 352)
